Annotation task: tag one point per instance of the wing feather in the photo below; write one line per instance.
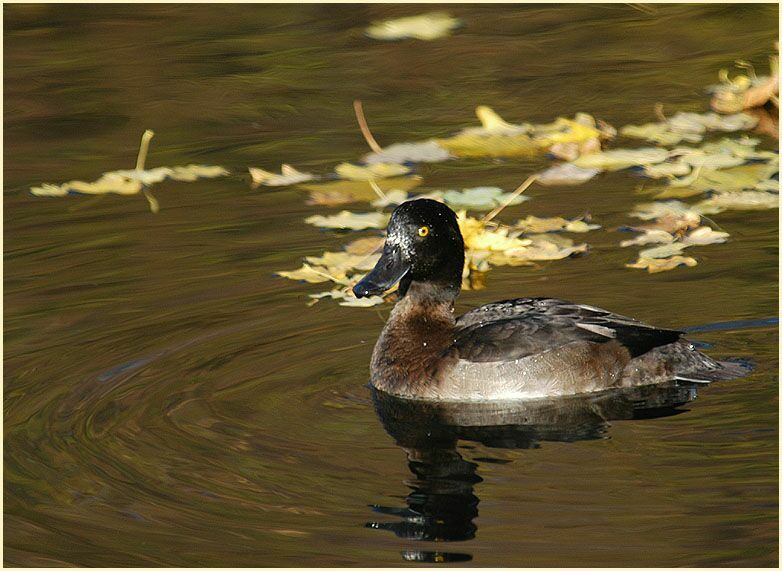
(518, 328)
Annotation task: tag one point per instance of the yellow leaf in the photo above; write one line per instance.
(747, 200)
(329, 198)
(107, 183)
(664, 251)
(193, 172)
(364, 246)
(622, 158)
(132, 181)
(350, 171)
(390, 198)
(340, 263)
(429, 26)
(566, 174)
(353, 301)
(361, 190)
(421, 152)
(564, 131)
(350, 220)
(311, 275)
(288, 176)
(703, 236)
(654, 265)
(555, 224)
(478, 237)
(650, 236)
(492, 122)
(551, 247)
(490, 145)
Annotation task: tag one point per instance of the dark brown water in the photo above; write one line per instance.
(169, 401)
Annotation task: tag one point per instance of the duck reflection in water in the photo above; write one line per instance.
(442, 504)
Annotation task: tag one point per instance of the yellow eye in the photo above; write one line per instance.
(423, 231)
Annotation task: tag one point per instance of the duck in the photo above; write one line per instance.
(530, 347)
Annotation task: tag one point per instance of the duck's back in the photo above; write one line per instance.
(537, 347)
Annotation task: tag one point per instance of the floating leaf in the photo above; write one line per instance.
(664, 251)
(711, 161)
(684, 122)
(311, 275)
(552, 247)
(496, 240)
(369, 301)
(350, 220)
(288, 177)
(754, 176)
(424, 152)
(431, 26)
(678, 192)
(132, 181)
(743, 147)
(370, 172)
(340, 263)
(190, 173)
(742, 92)
(555, 224)
(490, 145)
(655, 265)
(109, 182)
(703, 236)
(649, 236)
(362, 190)
(652, 210)
(688, 127)
(480, 198)
(622, 158)
(491, 122)
(747, 200)
(580, 226)
(146, 177)
(539, 225)
(571, 151)
(769, 185)
(671, 223)
(498, 138)
(667, 169)
(366, 245)
(659, 133)
(347, 298)
(477, 236)
(564, 130)
(565, 174)
(333, 294)
(390, 198)
(329, 198)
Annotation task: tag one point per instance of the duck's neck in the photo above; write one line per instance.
(418, 332)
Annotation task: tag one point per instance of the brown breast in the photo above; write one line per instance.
(411, 348)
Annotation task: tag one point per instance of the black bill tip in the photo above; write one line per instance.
(362, 289)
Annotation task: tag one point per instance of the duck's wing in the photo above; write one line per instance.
(517, 328)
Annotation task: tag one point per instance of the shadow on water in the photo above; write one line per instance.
(442, 504)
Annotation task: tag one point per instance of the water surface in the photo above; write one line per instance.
(169, 401)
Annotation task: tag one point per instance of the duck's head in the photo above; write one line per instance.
(423, 244)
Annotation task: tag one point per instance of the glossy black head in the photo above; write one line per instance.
(424, 244)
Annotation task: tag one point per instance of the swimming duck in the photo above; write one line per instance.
(514, 349)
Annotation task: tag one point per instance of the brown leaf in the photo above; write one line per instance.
(329, 198)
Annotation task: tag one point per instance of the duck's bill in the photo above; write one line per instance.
(390, 268)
